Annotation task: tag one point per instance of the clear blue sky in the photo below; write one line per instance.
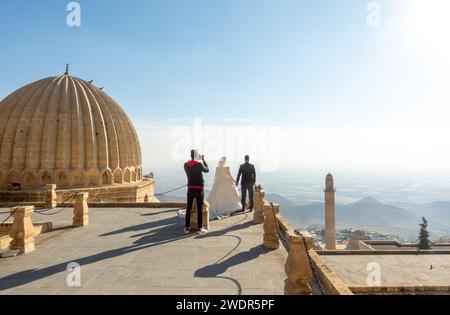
(305, 63)
(165, 58)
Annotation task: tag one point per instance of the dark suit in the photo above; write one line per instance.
(248, 173)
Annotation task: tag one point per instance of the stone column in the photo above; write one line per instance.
(22, 230)
(194, 216)
(258, 215)
(298, 269)
(81, 210)
(205, 214)
(51, 200)
(271, 239)
(330, 219)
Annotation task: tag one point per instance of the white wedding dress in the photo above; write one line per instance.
(224, 197)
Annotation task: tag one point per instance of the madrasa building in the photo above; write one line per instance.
(68, 132)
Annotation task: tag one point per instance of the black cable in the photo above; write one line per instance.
(10, 215)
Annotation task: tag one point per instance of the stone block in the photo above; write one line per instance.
(22, 231)
(81, 210)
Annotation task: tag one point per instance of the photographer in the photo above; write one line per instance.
(194, 171)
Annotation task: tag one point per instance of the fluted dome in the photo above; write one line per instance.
(66, 131)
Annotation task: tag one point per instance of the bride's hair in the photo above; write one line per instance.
(223, 161)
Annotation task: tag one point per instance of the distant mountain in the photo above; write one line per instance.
(369, 200)
(437, 210)
(370, 214)
(279, 199)
(369, 211)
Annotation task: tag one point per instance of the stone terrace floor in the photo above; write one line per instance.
(396, 270)
(144, 251)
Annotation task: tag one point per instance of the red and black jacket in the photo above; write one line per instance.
(194, 171)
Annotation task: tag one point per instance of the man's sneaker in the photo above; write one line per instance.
(203, 231)
(186, 231)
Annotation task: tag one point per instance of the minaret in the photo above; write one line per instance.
(330, 220)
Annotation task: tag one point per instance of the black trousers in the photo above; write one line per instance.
(244, 190)
(199, 196)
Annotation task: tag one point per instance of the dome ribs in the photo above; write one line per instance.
(122, 144)
(110, 130)
(102, 152)
(9, 146)
(49, 128)
(90, 140)
(6, 110)
(66, 131)
(33, 155)
(21, 137)
(130, 134)
(64, 123)
(77, 131)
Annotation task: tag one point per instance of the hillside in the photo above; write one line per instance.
(371, 214)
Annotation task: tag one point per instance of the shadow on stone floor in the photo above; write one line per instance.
(164, 231)
(216, 270)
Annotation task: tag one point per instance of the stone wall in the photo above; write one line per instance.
(330, 282)
(136, 192)
(403, 290)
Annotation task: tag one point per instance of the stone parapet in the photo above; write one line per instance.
(270, 239)
(332, 284)
(194, 216)
(81, 210)
(22, 231)
(401, 290)
(123, 193)
(51, 199)
(258, 214)
(298, 268)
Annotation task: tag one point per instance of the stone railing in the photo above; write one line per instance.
(19, 235)
(303, 265)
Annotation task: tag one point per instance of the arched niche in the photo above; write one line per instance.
(127, 176)
(78, 178)
(107, 177)
(29, 179)
(2, 177)
(45, 178)
(139, 174)
(118, 176)
(94, 177)
(62, 178)
(14, 177)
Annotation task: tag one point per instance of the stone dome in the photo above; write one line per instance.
(66, 131)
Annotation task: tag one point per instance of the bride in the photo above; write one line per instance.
(224, 197)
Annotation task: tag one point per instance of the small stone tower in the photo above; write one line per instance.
(330, 219)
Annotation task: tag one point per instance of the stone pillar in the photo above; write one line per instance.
(330, 220)
(22, 230)
(51, 200)
(298, 269)
(258, 215)
(205, 214)
(271, 239)
(194, 216)
(81, 210)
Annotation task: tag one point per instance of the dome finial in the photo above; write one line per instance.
(67, 69)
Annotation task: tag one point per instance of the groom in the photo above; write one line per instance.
(248, 173)
(194, 172)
